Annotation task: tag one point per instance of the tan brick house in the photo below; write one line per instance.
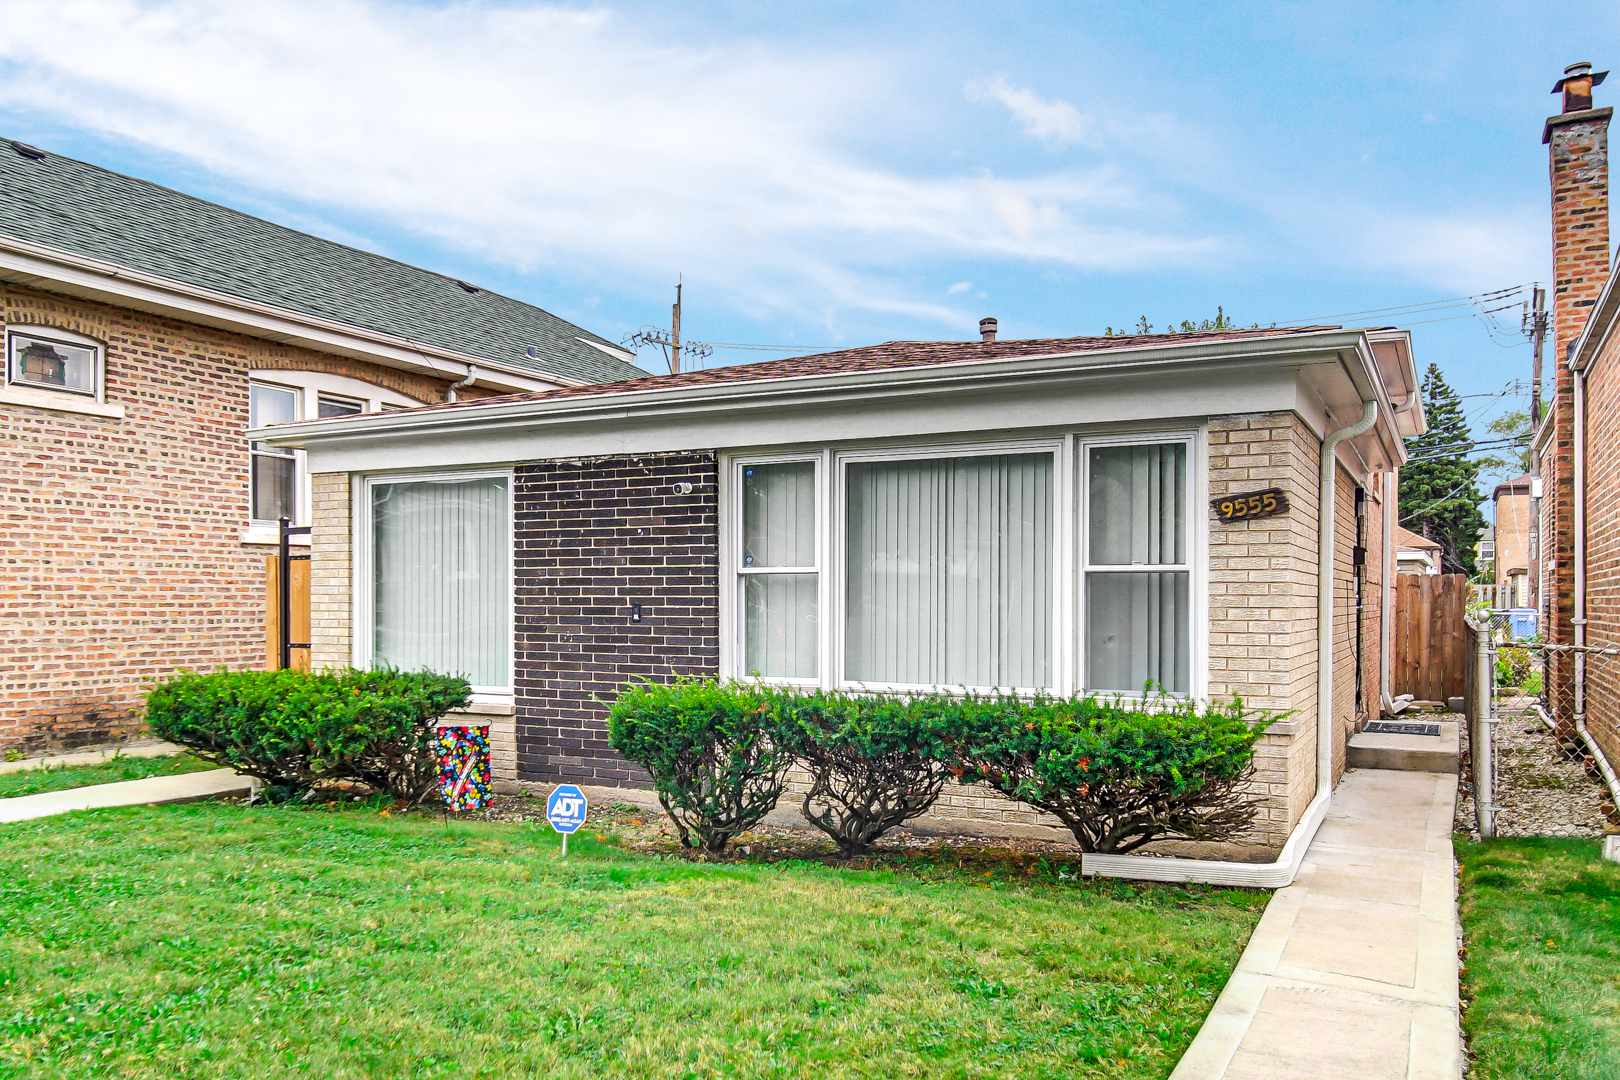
(1075, 514)
(144, 331)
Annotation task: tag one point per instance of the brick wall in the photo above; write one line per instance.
(120, 552)
(331, 562)
(1603, 545)
(593, 539)
(1262, 605)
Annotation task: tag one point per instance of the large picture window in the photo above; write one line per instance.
(1137, 578)
(1064, 564)
(948, 571)
(440, 559)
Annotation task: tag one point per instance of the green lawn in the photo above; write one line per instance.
(210, 940)
(1541, 921)
(64, 777)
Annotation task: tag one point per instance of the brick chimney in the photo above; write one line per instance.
(1577, 141)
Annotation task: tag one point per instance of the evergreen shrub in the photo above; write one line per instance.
(715, 752)
(1119, 772)
(874, 762)
(294, 729)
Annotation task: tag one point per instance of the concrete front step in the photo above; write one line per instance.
(1406, 753)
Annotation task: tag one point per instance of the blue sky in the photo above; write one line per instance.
(839, 174)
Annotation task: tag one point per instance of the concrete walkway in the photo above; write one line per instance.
(1352, 971)
(90, 757)
(187, 787)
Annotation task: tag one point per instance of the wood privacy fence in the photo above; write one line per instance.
(298, 610)
(1430, 659)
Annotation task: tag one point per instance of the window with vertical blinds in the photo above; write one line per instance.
(1137, 581)
(441, 570)
(780, 582)
(948, 571)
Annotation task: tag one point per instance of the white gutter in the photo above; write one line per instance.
(1324, 593)
(28, 264)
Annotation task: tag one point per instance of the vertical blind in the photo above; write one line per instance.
(779, 536)
(441, 568)
(1138, 621)
(949, 571)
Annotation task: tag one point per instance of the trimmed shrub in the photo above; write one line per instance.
(713, 749)
(297, 729)
(874, 762)
(1119, 773)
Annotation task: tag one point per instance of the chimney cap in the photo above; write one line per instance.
(1573, 95)
(987, 329)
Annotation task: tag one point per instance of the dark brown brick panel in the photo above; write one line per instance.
(593, 539)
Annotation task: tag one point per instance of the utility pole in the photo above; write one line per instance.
(669, 341)
(1538, 333)
(675, 322)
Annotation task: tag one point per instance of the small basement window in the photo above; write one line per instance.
(53, 361)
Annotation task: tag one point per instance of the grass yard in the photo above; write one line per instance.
(64, 777)
(1541, 921)
(209, 940)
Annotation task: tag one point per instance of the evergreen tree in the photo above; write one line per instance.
(1440, 495)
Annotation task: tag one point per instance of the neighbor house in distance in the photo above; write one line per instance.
(144, 332)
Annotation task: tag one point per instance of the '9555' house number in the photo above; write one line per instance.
(1250, 504)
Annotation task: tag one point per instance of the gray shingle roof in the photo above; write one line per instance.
(85, 210)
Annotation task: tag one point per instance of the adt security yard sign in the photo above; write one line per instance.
(566, 809)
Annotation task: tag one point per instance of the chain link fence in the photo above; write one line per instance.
(1533, 766)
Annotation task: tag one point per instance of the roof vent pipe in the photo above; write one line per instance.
(987, 329)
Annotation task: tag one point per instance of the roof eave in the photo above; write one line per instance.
(1326, 347)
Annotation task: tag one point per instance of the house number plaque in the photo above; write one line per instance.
(1250, 504)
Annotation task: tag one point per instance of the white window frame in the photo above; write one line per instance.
(1070, 561)
(737, 571)
(1195, 540)
(60, 398)
(360, 581)
(306, 387)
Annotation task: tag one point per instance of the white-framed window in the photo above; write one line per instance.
(278, 479)
(1136, 545)
(778, 553)
(1058, 564)
(60, 361)
(433, 575)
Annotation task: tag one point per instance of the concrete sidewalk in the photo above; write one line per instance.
(187, 787)
(91, 757)
(1352, 971)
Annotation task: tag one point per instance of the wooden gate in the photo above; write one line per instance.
(1430, 650)
(286, 596)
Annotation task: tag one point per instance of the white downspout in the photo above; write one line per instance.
(472, 378)
(1580, 543)
(1386, 573)
(1324, 594)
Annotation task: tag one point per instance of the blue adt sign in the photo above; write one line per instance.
(566, 808)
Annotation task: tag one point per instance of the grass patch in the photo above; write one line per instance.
(66, 777)
(1541, 921)
(207, 940)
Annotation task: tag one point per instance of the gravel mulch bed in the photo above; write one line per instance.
(1540, 789)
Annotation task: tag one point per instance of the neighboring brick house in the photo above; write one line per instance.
(1513, 543)
(1014, 514)
(143, 331)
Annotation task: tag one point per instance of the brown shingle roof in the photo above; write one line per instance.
(891, 354)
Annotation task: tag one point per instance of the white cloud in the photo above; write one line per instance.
(551, 138)
(959, 287)
(1044, 118)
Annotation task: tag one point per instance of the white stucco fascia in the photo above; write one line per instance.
(29, 264)
(1157, 383)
